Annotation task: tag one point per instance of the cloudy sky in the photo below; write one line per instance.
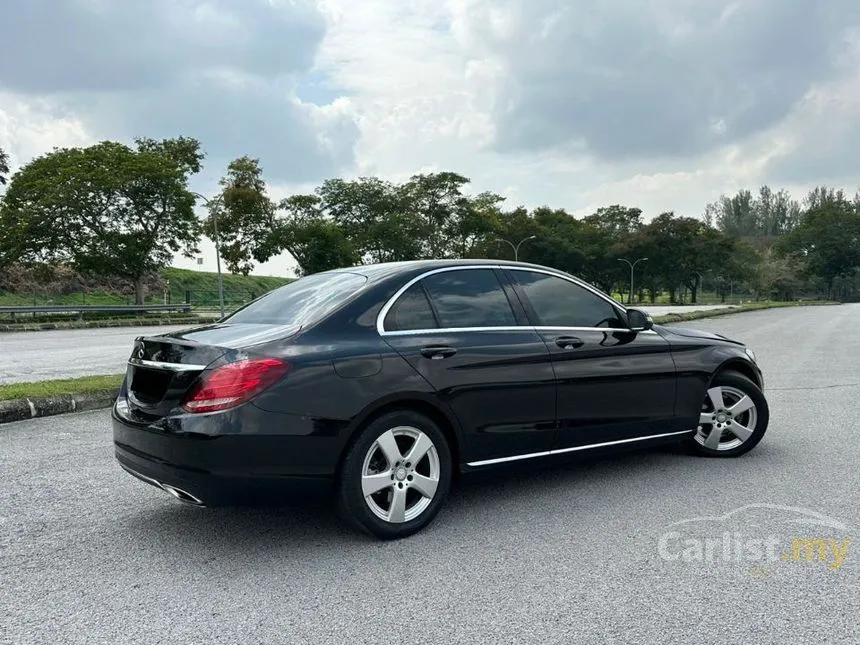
(661, 104)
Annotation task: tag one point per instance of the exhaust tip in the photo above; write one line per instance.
(182, 495)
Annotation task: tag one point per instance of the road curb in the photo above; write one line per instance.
(23, 409)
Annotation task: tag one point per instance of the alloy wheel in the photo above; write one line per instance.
(400, 474)
(728, 419)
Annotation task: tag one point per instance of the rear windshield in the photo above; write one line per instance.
(302, 302)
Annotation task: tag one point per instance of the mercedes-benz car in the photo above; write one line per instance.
(377, 385)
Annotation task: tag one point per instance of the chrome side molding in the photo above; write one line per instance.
(561, 451)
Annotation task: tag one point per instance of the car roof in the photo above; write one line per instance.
(387, 269)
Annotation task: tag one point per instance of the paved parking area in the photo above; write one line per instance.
(593, 552)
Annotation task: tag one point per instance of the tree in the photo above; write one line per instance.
(374, 215)
(760, 218)
(773, 276)
(603, 239)
(682, 249)
(107, 210)
(4, 166)
(827, 238)
(244, 215)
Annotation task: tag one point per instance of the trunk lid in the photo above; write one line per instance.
(162, 369)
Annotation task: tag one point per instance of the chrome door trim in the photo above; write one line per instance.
(548, 453)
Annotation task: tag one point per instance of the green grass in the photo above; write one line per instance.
(236, 287)
(41, 389)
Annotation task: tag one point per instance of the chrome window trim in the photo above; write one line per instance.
(507, 328)
(161, 365)
(561, 451)
(380, 319)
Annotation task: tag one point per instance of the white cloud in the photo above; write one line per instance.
(662, 104)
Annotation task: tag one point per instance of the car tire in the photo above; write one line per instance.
(381, 489)
(736, 426)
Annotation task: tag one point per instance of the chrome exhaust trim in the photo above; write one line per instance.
(181, 495)
(178, 493)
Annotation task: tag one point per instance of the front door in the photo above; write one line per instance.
(613, 384)
(460, 330)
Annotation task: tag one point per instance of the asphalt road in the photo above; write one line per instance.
(70, 353)
(556, 555)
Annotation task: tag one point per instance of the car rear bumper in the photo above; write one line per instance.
(217, 470)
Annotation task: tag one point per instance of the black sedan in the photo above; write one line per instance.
(378, 384)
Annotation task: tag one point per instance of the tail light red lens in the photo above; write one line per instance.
(234, 384)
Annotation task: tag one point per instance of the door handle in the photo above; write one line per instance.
(438, 352)
(569, 342)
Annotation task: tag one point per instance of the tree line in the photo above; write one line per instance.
(117, 210)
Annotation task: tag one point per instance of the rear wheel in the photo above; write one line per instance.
(396, 475)
(733, 419)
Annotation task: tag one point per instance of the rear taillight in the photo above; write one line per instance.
(234, 384)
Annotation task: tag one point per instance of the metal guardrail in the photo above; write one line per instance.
(82, 309)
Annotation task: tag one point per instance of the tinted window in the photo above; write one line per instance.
(469, 298)
(411, 311)
(301, 302)
(560, 303)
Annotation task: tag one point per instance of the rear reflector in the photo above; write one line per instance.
(234, 384)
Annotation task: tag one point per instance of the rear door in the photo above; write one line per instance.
(469, 338)
(613, 384)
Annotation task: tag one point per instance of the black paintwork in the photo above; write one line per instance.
(495, 393)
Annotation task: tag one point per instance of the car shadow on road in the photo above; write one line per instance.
(523, 492)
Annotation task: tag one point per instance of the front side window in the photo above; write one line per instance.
(561, 303)
(469, 298)
(303, 301)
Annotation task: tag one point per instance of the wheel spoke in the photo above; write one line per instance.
(713, 439)
(397, 511)
(706, 418)
(715, 394)
(389, 448)
(740, 431)
(419, 449)
(371, 484)
(425, 485)
(742, 406)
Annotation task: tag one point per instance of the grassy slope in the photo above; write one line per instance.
(237, 288)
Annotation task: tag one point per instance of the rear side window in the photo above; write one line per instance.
(411, 311)
(469, 298)
(561, 303)
(302, 302)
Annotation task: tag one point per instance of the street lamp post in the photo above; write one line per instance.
(209, 205)
(632, 266)
(517, 247)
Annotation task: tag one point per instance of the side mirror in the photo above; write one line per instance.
(639, 320)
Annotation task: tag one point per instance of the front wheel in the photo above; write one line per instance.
(733, 419)
(396, 475)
